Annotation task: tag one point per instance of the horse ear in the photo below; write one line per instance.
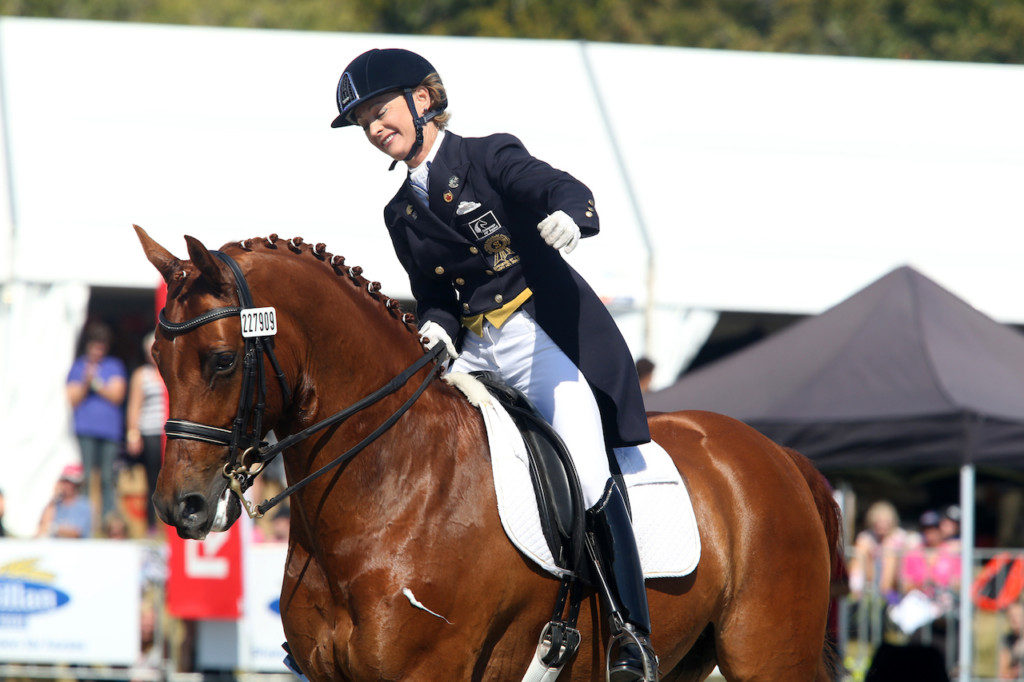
(209, 267)
(162, 259)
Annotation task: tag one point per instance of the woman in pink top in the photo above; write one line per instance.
(934, 566)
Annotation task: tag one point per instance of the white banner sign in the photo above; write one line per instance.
(263, 634)
(70, 601)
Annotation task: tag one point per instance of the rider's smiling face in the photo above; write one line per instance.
(387, 121)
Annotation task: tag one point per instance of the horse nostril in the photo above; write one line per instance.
(192, 510)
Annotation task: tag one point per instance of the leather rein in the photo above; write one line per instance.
(247, 424)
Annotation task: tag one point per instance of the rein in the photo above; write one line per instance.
(252, 405)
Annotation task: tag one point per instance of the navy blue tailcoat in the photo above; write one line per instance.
(468, 260)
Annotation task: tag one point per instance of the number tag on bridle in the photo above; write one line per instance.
(258, 322)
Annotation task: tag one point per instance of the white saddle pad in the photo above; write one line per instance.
(663, 519)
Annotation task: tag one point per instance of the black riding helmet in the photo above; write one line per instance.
(378, 71)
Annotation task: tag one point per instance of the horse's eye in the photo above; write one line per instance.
(224, 361)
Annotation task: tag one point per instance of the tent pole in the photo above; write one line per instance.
(966, 629)
(634, 200)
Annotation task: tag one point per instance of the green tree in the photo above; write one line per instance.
(966, 30)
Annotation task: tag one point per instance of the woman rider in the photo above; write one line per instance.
(477, 224)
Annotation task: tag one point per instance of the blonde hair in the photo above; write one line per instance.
(882, 510)
(438, 95)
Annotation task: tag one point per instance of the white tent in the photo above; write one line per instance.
(724, 181)
(767, 182)
(786, 183)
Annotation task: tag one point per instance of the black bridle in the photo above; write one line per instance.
(251, 404)
(247, 426)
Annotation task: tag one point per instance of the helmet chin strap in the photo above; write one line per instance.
(419, 122)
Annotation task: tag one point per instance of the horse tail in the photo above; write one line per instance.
(831, 521)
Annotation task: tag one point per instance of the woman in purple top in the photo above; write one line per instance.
(96, 388)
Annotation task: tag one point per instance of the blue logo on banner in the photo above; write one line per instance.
(26, 590)
(275, 606)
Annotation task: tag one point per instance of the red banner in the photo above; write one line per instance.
(204, 578)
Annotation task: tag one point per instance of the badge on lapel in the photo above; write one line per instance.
(504, 257)
(485, 225)
(453, 181)
(448, 196)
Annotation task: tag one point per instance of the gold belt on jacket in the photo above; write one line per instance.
(498, 316)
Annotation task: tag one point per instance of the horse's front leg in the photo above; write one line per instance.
(407, 630)
(312, 626)
(459, 626)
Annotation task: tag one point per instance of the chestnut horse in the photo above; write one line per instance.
(416, 510)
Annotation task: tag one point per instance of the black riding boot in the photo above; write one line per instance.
(620, 581)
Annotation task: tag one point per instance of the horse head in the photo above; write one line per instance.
(329, 342)
(201, 368)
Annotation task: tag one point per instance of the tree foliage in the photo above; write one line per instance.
(961, 30)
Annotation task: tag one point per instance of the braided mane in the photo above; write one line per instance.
(352, 274)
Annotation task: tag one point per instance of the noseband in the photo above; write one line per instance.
(247, 426)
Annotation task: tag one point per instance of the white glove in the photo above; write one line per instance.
(559, 231)
(432, 333)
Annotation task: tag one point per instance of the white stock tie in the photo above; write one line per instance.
(419, 184)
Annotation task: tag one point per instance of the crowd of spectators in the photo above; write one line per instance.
(915, 573)
(106, 492)
(118, 426)
(890, 561)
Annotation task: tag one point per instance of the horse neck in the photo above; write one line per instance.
(344, 345)
(338, 337)
(394, 491)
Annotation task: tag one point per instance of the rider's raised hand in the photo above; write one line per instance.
(431, 333)
(559, 231)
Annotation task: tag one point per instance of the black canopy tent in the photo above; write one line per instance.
(902, 372)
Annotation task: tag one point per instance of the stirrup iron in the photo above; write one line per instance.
(628, 636)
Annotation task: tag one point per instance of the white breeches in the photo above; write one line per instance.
(526, 357)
